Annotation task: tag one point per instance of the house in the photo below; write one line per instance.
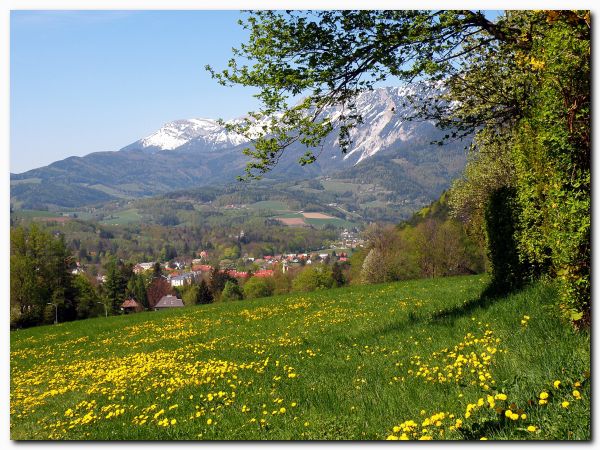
(142, 267)
(131, 306)
(182, 280)
(78, 269)
(168, 301)
(264, 273)
(236, 274)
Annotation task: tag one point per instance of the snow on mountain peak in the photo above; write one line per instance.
(382, 111)
(180, 132)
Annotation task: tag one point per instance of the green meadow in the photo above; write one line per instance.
(426, 359)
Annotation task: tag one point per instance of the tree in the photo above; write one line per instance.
(338, 276)
(136, 288)
(330, 56)
(312, 278)
(257, 287)
(231, 291)
(217, 281)
(204, 294)
(158, 288)
(191, 295)
(115, 285)
(523, 78)
(40, 266)
(86, 296)
(157, 271)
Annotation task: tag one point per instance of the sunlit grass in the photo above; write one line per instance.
(353, 363)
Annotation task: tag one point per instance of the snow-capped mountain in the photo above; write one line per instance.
(198, 152)
(174, 135)
(382, 110)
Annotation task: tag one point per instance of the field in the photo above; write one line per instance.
(270, 205)
(317, 216)
(122, 217)
(420, 359)
(292, 221)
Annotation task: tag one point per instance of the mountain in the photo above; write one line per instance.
(196, 152)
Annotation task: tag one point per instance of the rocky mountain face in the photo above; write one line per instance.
(196, 152)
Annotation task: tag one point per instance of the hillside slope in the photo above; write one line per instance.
(201, 152)
(357, 363)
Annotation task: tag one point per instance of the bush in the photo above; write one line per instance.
(313, 278)
(501, 218)
(257, 287)
(231, 291)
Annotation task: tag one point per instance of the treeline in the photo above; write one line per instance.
(219, 286)
(94, 244)
(430, 244)
(44, 290)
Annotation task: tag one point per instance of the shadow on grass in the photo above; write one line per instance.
(490, 295)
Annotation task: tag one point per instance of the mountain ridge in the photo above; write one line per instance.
(200, 151)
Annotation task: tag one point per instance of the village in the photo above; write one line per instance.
(182, 272)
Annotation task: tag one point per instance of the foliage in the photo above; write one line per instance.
(204, 294)
(217, 281)
(191, 295)
(346, 362)
(232, 291)
(257, 287)
(502, 214)
(313, 277)
(40, 267)
(115, 286)
(86, 298)
(158, 288)
(337, 275)
(522, 80)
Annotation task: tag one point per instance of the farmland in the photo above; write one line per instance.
(366, 362)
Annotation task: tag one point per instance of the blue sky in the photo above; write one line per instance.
(85, 81)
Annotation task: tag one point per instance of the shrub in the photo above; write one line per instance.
(313, 278)
(231, 291)
(501, 218)
(257, 287)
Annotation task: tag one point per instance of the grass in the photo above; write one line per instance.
(33, 213)
(345, 186)
(336, 221)
(123, 217)
(271, 205)
(351, 363)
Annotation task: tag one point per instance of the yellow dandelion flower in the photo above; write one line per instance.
(577, 394)
(544, 395)
(557, 384)
(209, 421)
(531, 428)
(565, 404)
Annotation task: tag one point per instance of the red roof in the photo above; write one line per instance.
(264, 273)
(130, 303)
(202, 267)
(236, 274)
